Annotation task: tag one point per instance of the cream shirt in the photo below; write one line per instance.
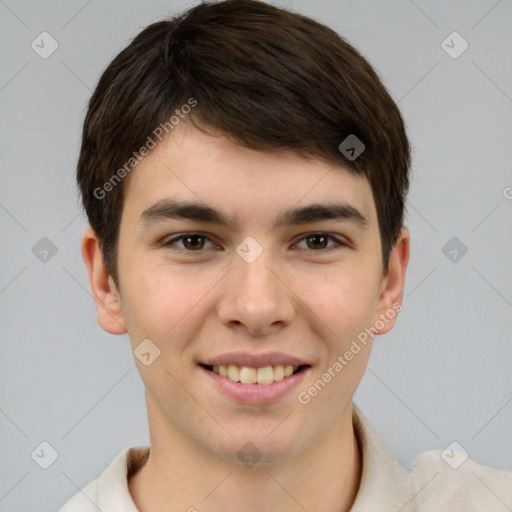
(433, 485)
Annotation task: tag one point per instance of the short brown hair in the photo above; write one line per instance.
(265, 77)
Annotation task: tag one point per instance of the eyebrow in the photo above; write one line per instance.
(200, 212)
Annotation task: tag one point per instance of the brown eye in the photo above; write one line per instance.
(317, 241)
(191, 242)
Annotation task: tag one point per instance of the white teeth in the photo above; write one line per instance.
(288, 370)
(265, 375)
(246, 375)
(233, 373)
(278, 372)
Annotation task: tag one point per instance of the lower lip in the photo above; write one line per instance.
(256, 394)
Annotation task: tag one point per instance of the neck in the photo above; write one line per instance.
(180, 475)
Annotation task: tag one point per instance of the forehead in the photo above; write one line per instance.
(246, 183)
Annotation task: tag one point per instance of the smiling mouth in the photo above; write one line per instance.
(264, 375)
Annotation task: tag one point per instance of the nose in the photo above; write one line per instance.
(256, 297)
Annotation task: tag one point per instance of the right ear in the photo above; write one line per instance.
(106, 297)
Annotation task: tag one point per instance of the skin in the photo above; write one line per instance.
(299, 297)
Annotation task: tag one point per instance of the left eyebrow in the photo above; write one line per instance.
(317, 212)
(200, 212)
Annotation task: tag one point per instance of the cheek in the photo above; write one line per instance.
(159, 303)
(164, 307)
(345, 301)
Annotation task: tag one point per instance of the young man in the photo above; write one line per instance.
(244, 173)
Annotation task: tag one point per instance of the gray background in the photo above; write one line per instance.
(442, 374)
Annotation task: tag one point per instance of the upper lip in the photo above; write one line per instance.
(255, 360)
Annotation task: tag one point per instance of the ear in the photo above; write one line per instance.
(104, 291)
(392, 290)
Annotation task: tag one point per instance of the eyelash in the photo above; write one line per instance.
(168, 243)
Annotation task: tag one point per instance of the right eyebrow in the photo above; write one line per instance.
(189, 210)
(200, 212)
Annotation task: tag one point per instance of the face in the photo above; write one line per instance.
(255, 264)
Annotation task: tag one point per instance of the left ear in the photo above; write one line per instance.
(392, 290)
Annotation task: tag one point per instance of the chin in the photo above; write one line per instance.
(259, 448)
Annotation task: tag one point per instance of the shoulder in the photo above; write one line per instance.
(110, 491)
(450, 477)
(440, 480)
(84, 501)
